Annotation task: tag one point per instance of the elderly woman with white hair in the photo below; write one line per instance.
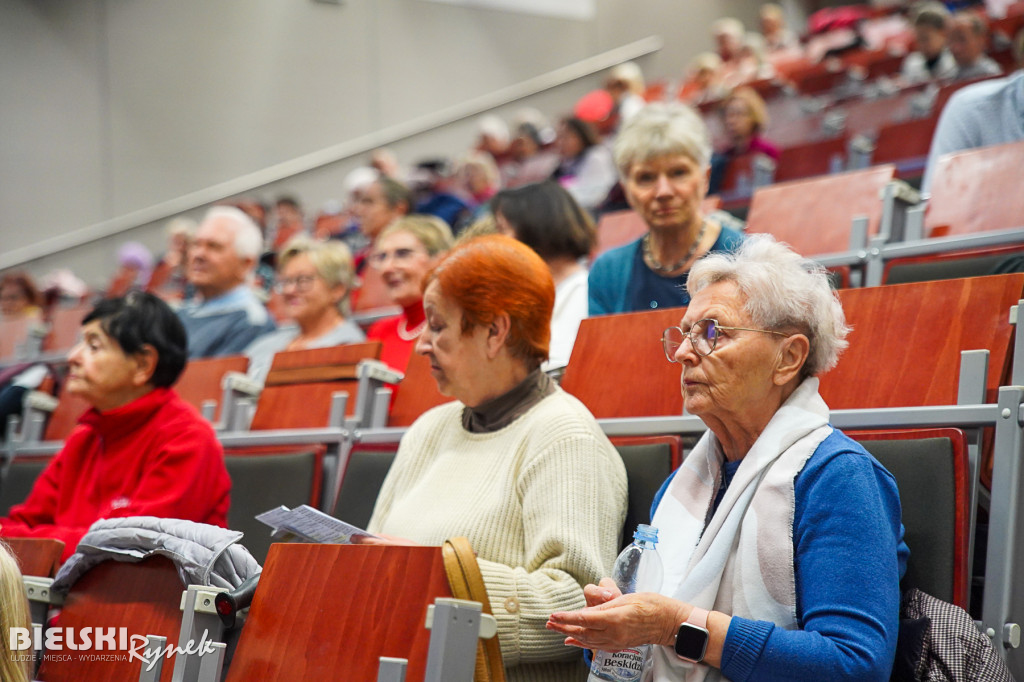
(781, 537)
(663, 156)
(314, 280)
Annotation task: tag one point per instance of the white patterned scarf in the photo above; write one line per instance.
(741, 561)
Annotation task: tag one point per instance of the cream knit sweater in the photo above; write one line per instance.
(542, 501)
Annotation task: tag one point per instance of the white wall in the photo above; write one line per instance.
(112, 106)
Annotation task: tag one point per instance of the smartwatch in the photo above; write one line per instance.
(692, 637)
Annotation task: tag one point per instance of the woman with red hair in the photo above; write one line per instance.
(515, 464)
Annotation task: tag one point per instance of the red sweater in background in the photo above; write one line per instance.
(155, 456)
(395, 350)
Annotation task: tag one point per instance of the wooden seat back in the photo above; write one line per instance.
(906, 144)
(65, 417)
(793, 212)
(811, 158)
(416, 394)
(201, 379)
(321, 609)
(976, 191)
(739, 172)
(372, 293)
(65, 324)
(906, 340)
(13, 333)
(143, 597)
(297, 392)
(618, 368)
(37, 556)
(618, 228)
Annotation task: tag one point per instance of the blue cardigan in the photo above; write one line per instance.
(849, 554)
(612, 271)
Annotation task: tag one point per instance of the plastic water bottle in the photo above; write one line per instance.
(638, 569)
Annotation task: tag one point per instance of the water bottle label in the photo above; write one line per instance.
(621, 666)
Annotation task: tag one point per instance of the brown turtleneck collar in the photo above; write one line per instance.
(497, 413)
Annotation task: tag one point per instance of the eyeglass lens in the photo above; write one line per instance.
(301, 283)
(399, 255)
(703, 335)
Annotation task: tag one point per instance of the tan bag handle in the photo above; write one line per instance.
(467, 582)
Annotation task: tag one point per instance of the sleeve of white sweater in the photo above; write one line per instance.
(574, 498)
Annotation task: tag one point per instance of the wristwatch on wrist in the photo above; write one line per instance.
(692, 637)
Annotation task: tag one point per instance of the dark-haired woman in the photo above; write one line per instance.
(586, 167)
(141, 450)
(546, 218)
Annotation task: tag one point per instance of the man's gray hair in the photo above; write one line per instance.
(661, 129)
(248, 240)
(784, 292)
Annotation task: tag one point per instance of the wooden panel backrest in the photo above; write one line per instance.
(37, 556)
(372, 293)
(976, 190)
(416, 394)
(321, 609)
(13, 332)
(65, 416)
(740, 166)
(906, 340)
(793, 212)
(143, 597)
(618, 228)
(300, 384)
(618, 367)
(201, 379)
(904, 140)
(64, 327)
(347, 354)
(810, 159)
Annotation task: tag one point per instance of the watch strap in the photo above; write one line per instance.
(698, 617)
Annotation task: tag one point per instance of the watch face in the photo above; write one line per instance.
(691, 642)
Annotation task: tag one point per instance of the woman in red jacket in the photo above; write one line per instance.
(141, 450)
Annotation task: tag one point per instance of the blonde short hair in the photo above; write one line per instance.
(662, 129)
(13, 613)
(332, 260)
(431, 231)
